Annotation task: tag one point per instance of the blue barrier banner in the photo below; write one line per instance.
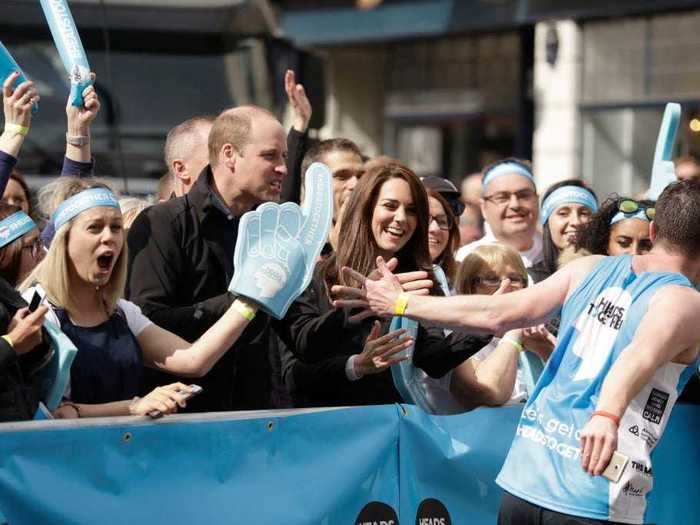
(320, 467)
(363, 466)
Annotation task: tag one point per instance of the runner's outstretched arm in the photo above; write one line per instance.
(476, 313)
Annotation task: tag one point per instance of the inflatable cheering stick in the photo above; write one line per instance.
(278, 245)
(8, 65)
(663, 171)
(69, 46)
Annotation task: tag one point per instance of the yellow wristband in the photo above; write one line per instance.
(514, 343)
(22, 130)
(9, 340)
(401, 304)
(243, 309)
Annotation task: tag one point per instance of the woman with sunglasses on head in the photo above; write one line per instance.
(343, 361)
(567, 207)
(621, 226)
(82, 277)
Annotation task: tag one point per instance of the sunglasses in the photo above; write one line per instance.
(629, 206)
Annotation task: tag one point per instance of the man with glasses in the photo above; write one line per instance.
(509, 206)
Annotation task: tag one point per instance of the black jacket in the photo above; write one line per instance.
(22, 378)
(180, 265)
(320, 339)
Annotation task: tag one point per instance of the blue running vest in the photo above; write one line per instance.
(599, 321)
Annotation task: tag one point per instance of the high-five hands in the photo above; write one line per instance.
(377, 294)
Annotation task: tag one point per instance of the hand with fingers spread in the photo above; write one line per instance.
(598, 442)
(380, 353)
(165, 399)
(299, 102)
(25, 329)
(412, 283)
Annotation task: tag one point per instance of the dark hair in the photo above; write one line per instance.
(446, 259)
(678, 216)
(19, 179)
(10, 254)
(357, 247)
(550, 252)
(318, 150)
(595, 236)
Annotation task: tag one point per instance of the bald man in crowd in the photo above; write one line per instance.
(186, 152)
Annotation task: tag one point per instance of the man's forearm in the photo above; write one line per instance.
(632, 370)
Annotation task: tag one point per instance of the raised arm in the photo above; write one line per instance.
(475, 313)
(660, 339)
(297, 137)
(80, 118)
(17, 107)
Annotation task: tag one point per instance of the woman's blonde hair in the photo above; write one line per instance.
(53, 273)
(131, 207)
(487, 256)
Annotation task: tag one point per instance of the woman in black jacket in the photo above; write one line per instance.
(339, 361)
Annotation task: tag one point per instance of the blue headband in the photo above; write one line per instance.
(507, 168)
(640, 214)
(85, 200)
(567, 195)
(14, 226)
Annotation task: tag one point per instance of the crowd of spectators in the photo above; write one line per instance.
(141, 288)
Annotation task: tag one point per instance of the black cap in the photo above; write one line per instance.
(447, 189)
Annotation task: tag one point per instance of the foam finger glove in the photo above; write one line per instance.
(278, 245)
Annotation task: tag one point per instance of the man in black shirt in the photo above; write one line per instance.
(181, 253)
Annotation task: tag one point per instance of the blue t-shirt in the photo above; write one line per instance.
(544, 462)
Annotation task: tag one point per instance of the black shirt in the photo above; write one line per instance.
(319, 339)
(180, 265)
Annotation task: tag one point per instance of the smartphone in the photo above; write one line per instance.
(616, 467)
(35, 302)
(193, 391)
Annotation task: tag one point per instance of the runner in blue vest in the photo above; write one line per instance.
(628, 344)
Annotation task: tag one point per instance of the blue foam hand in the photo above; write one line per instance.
(69, 46)
(278, 245)
(8, 65)
(663, 171)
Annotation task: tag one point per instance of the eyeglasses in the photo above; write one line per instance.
(504, 197)
(628, 206)
(35, 246)
(494, 281)
(443, 221)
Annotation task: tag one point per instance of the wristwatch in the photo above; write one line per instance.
(77, 140)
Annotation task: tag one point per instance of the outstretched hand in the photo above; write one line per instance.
(375, 296)
(301, 106)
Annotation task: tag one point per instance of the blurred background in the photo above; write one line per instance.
(445, 85)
